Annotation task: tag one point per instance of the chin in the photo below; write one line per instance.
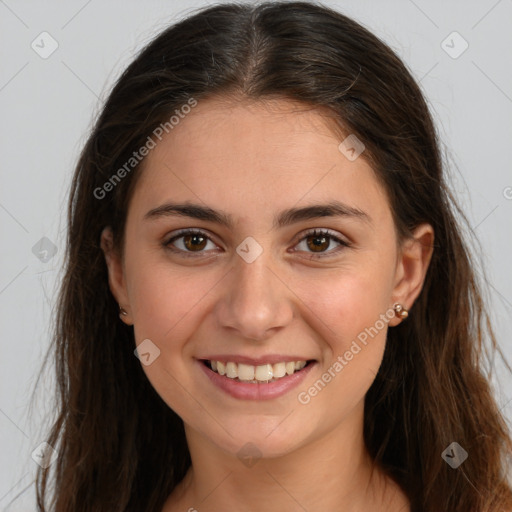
(256, 441)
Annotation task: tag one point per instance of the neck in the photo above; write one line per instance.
(333, 472)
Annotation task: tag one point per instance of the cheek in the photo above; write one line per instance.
(351, 316)
(349, 311)
(165, 304)
(164, 300)
(344, 302)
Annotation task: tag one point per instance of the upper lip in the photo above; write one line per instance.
(269, 359)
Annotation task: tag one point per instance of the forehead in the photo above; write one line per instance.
(256, 157)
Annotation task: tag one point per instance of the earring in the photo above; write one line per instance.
(400, 311)
(122, 311)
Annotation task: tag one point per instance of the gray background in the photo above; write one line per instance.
(48, 104)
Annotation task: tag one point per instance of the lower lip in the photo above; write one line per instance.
(263, 391)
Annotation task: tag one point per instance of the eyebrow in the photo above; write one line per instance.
(284, 218)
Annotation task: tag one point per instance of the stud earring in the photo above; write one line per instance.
(122, 311)
(400, 311)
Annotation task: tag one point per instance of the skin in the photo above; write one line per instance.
(253, 160)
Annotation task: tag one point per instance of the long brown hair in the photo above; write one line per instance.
(121, 448)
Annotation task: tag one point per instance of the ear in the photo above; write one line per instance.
(116, 278)
(412, 265)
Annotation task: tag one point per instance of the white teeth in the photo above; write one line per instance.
(255, 374)
(279, 370)
(290, 368)
(299, 365)
(231, 370)
(264, 372)
(245, 371)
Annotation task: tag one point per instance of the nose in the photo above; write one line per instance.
(256, 303)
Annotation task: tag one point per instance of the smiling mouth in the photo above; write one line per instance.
(249, 374)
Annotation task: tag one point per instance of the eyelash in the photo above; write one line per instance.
(314, 232)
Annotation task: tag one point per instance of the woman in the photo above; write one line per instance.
(268, 303)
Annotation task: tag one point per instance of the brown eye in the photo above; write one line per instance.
(193, 242)
(189, 243)
(317, 244)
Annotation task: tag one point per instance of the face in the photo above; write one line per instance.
(276, 282)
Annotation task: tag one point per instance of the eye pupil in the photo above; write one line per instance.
(319, 245)
(193, 240)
